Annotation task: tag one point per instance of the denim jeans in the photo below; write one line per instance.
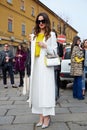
(77, 87)
(84, 77)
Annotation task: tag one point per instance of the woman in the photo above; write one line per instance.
(84, 65)
(20, 59)
(77, 67)
(42, 89)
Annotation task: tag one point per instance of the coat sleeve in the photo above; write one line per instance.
(52, 44)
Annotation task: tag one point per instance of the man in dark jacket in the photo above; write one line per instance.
(7, 65)
(57, 69)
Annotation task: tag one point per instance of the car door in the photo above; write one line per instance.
(66, 64)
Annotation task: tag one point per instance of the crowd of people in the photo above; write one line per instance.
(44, 81)
(13, 63)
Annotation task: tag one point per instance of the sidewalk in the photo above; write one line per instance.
(71, 114)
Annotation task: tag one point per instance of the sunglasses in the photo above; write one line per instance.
(41, 21)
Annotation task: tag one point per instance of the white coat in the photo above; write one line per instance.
(46, 75)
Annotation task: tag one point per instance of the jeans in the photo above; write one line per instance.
(84, 77)
(77, 87)
(11, 74)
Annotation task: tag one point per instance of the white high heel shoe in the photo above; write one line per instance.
(39, 124)
(46, 126)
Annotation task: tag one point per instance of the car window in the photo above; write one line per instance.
(67, 54)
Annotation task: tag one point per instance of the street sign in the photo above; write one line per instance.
(61, 38)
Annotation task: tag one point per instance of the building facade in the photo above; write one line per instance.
(17, 19)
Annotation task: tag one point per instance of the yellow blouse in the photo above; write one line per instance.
(39, 38)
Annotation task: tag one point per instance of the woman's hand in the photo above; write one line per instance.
(19, 55)
(41, 44)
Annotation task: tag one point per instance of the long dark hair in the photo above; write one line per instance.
(75, 39)
(47, 28)
(22, 48)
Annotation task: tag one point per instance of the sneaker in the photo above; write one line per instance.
(5, 86)
(14, 86)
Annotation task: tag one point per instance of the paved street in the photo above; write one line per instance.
(71, 114)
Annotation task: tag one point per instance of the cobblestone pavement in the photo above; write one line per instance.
(71, 114)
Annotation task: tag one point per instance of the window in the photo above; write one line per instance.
(23, 29)
(67, 53)
(10, 25)
(32, 11)
(22, 5)
(9, 1)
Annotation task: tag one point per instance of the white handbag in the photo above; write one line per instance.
(52, 60)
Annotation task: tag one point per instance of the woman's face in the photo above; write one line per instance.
(19, 47)
(85, 43)
(41, 22)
